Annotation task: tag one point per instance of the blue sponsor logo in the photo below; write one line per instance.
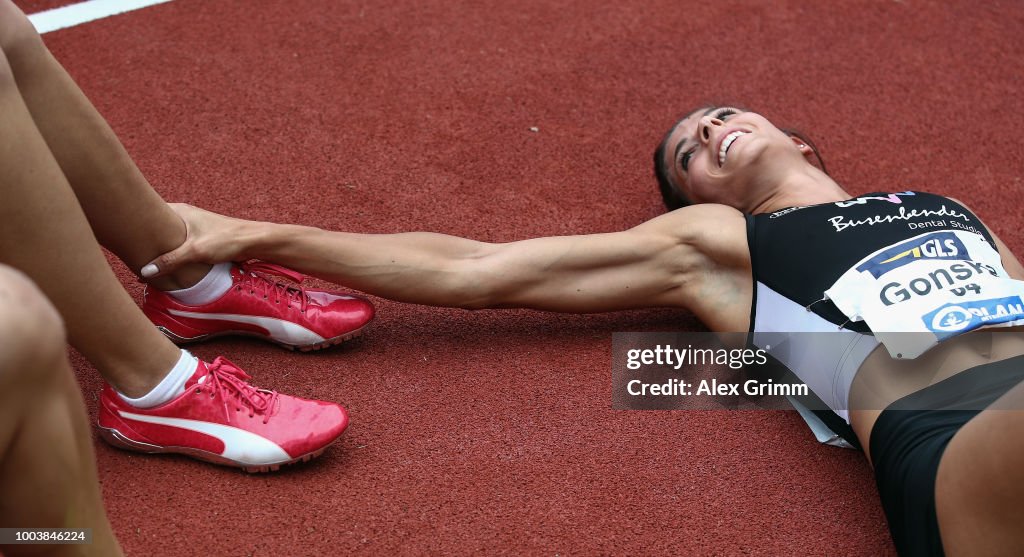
(953, 319)
(934, 246)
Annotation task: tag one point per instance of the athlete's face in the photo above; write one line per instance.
(723, 154)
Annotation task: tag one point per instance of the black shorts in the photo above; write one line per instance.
(909, 438)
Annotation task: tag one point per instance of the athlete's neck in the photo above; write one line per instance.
(807, 186)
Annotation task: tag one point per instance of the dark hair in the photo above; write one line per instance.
(672, 195)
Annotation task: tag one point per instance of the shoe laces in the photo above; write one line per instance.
(232, 384)
(255, 280)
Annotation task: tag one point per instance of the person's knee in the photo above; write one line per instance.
(32, 330)
(17, 34)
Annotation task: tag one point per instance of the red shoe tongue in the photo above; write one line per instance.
(202, 370)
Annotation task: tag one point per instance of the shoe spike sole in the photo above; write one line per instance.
(116, 439)
(305, 348)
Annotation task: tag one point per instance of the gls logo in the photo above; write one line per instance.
(955, 318)
(936, 245)
(896, 292)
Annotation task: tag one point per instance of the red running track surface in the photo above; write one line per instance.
(491, 432)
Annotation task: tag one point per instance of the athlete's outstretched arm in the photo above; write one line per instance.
(654, 264)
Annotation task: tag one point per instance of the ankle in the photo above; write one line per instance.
(210, 288)
(170, 386)
(134, 377)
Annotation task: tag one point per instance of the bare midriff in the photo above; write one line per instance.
(882, 380)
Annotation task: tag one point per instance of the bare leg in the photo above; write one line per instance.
(980, 483)
(47, 467)
(44, 233)
(127, 216)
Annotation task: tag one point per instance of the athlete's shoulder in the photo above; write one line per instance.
(704, 213)
(698, 224)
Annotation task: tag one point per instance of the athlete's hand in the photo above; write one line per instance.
(209, 238)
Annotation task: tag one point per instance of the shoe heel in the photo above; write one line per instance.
(109, 427)
(176, 331)
(114, 438)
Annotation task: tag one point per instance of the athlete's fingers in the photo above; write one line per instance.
(168, 262)
(185, 253)
(209, 238)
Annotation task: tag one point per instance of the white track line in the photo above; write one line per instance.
(69, 16)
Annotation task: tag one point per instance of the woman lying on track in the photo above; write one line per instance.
(772, 244)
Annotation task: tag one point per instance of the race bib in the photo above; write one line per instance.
(931, 287)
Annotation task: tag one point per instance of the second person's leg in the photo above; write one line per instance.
(44, 233)
(127, 216)
(47, 468)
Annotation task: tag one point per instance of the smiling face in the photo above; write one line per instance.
(729, 155)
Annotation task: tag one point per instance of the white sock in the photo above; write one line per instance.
(214, 285)
(172, 386)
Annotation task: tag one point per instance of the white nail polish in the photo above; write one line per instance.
(148, 270)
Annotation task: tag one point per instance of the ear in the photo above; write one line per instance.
(804, 148)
